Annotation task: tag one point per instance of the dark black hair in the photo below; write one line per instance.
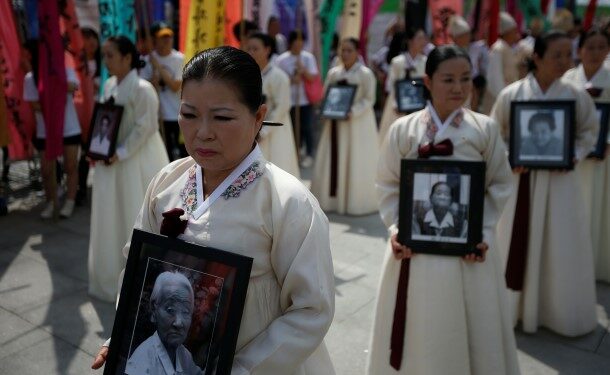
(90, 33)
(544, 117)
(294, 35)
(542, 44)
(444, 53)
(410, 33)
(126, 47)
(396, 47)
(355, 42)
(593, 31)
(439, 183)
(267, 41)
(249, 27)
(230, 65)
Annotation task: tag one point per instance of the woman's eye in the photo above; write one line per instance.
(187, 115)
(223, 118)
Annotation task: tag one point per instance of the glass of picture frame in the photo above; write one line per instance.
(338, 101)
(103, 132)
(603, 114)
(409, 95)
(542, 134)
(441, 206)
(178, 296)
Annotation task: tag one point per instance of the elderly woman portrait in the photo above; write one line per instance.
(171, 303)
(100, 142)
(541, 140)
(442, 219)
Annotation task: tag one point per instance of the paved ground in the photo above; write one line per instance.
(48, 324)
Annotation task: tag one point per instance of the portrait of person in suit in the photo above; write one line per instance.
(172, 304)
(441, 218)
(541, 142)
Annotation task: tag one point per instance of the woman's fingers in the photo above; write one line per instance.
(100, 358)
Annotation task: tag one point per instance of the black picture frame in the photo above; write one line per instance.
(465, 181)
(338, 101)
(603, 112)
(101, 144)
(552, 147)
(409, 94)
(219, 281)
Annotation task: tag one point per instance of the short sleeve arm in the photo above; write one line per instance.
(312, 65)
(303, 267)
(145, 108)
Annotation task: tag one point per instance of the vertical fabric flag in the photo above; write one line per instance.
(233, 14)
(416, 13)
(530, 9)
(183, 12)
(369, 10)
(288, 11)
(441, 11)
(589, 14)
(83, 97)
(205, 27)
(116, 18)
(351, 19)
(511, 8)
(52, 84)
(313, 25)
(494, 22)
(329, 11)
(19, 114)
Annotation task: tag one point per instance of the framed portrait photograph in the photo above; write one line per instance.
(103, 131)
(180, 308)
(338, 101)
(603, 114)
(542, 134)
(410, 95)
(441, 206)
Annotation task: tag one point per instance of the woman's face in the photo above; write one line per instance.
(450, 85)
(116, 63)
(594, 51)
(441, 197)
(219, 130)
(349, 54)
(556, 60)
(541, 133)
(258, 51)
(91, 44)
(417, 44)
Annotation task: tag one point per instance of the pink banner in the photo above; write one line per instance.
(369, 10)
(52, 84)
(20, 117)
(75, 58)
(441, 11)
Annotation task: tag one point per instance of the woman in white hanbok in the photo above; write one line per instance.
(550, 258)
(594, 76)
(457, 317)
(119, 185)
(344, 172)
(276, 142)
(413, 63)
(237, 201)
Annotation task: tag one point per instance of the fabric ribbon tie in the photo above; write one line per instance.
(173, 223)
(517, 254)
(595, 92)
(399, 323)
(444, 148)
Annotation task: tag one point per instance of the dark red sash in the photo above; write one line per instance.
(400, 316)
(333, 158)
(517, 256)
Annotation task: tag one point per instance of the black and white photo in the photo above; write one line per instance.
(541, 134)
(104, 130)
(338, 101)
(410, 95)
(441, 206)
(179, 309)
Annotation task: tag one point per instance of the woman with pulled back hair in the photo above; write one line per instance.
(237, 201)
(438, 314)
(120, 183)
(544, 228)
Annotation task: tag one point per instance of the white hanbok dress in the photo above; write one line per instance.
(357, 150)
(595, 175)
(267, 214)
(458, 321)
(119, 188)
(559, 287)
(398, 71)
(277, 142)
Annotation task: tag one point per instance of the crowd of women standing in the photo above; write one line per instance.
(461, 311)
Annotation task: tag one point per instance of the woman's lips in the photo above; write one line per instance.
(205, 152)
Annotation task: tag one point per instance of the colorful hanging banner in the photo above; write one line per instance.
(589, 15)
(351, 19)
(292, 16)
(19, 113)
(75, 58)
(441, 11)
(206, 26)
(183, 16)
(233, 15)
(329, 12)
(494, 22)
(530, 9)
(369, 10)
(52, 82)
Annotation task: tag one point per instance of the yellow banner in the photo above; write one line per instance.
(205, 26)
(351, 19)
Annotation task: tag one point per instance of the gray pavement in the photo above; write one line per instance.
(49, 325)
